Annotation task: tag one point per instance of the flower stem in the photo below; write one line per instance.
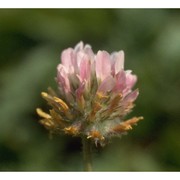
(87, 152)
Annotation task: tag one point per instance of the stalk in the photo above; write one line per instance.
(87, 154)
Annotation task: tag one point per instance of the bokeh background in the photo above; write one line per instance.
(31, 41)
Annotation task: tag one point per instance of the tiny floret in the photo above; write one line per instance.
(94, 95)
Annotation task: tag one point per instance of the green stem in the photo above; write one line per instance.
(87, 152)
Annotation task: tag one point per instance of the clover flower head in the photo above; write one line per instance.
(94, 95)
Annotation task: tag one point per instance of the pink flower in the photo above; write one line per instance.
(95, 94)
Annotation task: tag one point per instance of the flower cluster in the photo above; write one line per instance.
(94, 95)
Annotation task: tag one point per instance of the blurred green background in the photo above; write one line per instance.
(31, 41)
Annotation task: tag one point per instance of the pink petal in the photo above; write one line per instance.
(62, 78)
(103, 65)
(117, 61)
(67, 57)
(79, 47)
(89, 52)
(85, 68)
(120, 82)
(80, 90)
(132, 96)
(107, 84)
(80, 56)
(91, 55)
(130, 80)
